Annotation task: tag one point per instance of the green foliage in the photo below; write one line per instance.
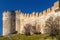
(32, 37)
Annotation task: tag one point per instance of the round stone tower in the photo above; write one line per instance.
(8, 22)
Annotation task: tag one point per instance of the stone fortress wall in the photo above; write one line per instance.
(32, 18)
(17, 20)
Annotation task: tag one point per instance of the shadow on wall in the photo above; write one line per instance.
(13, 25)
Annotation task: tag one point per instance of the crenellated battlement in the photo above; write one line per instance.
(37, 14)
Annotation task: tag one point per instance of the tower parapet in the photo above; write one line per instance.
(48, 10)
(40, 14)
(36, 14)
(28, 15)
(33, 14)
(44, 12)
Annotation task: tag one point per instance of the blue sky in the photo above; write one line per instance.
(26, 6)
